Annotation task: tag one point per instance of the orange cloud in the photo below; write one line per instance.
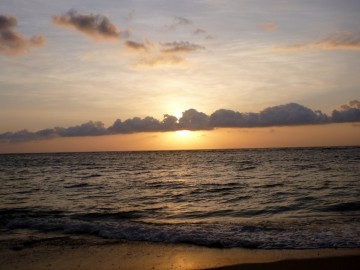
(160, 60)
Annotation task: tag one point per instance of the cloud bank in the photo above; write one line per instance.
(12, 43)
(347, 113)
(283, 115)
(96, 26)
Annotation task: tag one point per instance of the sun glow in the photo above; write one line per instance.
(182, 139)
(183, 133)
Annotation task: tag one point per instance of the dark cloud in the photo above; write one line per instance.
(337, 41)
(12, 43)
(96, 26)
(7, 22)
(228, 118)
(289, 114)
(87, 129)
(347, 113)
(147, 124)
(284, 115)
(135, 124)
(169, 122)
(180, 47)
(194, 120)
(135, 46)
(25, 135)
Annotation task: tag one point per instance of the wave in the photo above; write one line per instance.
(79, 185)
(261, 236)
(95, 175)
(342, 207)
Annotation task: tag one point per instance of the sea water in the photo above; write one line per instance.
(253, 198)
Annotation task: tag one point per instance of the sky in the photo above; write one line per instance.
(112, 75)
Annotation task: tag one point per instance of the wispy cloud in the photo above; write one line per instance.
(269, 26)
(135, 46)
(130, 16)
(199, 31)
(283, 115)
(12, 43)
(337, 41)
(159, 60)
(180, 47)
(179, 21)
(96, 26)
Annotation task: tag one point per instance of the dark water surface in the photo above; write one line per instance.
(259, 198)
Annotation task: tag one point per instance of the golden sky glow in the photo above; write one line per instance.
(299, 136)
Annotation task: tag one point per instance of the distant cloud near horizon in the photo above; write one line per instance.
(347, 112)
(12, 43)
(283, 115)
(337, 41)
(96, 26)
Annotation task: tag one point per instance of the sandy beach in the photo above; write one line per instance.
(51, 251)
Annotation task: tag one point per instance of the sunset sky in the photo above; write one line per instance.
(234, 73)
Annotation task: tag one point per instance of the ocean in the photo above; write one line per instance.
(289, 198)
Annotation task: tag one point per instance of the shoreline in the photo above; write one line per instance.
(54, 251)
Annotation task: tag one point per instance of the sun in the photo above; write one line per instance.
(183, 134)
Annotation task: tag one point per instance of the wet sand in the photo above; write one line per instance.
(329, 263)
(59, 252)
